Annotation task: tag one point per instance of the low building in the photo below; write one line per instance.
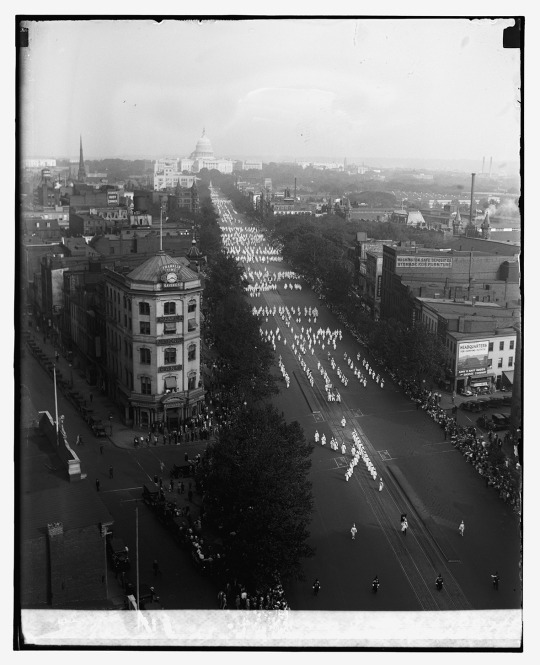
(480, 340)
(410, 271)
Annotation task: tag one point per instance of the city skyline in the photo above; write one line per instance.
(279, 90)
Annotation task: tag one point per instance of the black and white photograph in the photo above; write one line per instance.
(268, 331)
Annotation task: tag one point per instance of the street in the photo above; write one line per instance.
(424, 476)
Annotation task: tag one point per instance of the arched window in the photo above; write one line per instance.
(192, 378)
(144, 354)
(170, 356)
(192, 351)
(192, 305)
(144, 308)
(169, 308)
(146, 385)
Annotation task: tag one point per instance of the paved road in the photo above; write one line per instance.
(424, 477)
(179, 585)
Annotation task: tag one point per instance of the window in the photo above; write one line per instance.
(144, 327)
(490, 347)
(169, 328)
(169, 308)
(144, 308)
(170, 383)
(146, 385)
(511, 345)
(192, 351)
(170, 356)
(490, 363)
(501, 346)
(191, 325)
(500, 362)
(192, 306)
(144, 355)
(511, 361)
(191, 381)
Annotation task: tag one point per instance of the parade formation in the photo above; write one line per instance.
(316, 357)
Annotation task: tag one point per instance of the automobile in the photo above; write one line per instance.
(499, 422)
(482, 390)
(97, 427)
(467, 392)
(484, 422)
(496, 402)
(471, 405)
(483, 402)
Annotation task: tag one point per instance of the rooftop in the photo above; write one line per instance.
(152, 269)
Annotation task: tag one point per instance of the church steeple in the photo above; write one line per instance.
(82, 169)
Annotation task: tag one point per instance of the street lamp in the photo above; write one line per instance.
(104, 534)
(110, 423)
(71, 375)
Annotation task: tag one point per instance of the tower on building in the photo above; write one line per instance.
(82, 170)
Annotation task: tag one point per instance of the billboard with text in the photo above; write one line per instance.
(472, 358)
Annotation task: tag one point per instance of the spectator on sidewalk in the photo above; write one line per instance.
(111, 472)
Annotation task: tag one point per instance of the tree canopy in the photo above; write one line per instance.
(257, 493)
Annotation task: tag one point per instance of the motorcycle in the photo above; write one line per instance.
(375, 585)
(439, 583)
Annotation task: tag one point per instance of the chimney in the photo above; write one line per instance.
(295, 189)
(490, 165)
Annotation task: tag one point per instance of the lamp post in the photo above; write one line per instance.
(71, 375)
(110, 424)
(104, 534)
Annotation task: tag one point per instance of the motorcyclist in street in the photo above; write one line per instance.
(439, 582)
(375, 584)
(495, 580)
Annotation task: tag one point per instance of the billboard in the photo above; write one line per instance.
(112, 198)
(472, 358)
(423, 262)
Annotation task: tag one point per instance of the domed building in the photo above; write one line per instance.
(203, 158)
(203, 149)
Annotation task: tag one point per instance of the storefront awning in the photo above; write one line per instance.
(508, 377)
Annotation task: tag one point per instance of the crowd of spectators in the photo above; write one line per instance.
(235, 596)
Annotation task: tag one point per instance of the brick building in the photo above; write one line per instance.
(409, 272)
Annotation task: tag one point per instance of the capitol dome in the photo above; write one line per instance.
(203, 149)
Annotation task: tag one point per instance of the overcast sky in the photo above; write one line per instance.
(272, 89)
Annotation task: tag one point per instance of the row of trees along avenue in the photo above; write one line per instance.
(254, 477)
(318, 249)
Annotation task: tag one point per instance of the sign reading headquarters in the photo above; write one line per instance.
(472, 358)
(423, 262)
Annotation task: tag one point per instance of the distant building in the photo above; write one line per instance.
(409, 218)
(38, 163)
(203, 158)
(168, 174)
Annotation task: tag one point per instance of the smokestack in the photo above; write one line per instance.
(295, 189)
(490, 165)
(483, 163)
(473, 205)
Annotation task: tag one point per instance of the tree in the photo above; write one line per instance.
(258, 493)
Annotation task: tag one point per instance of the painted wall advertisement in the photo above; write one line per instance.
(423, 262)
(472, 358)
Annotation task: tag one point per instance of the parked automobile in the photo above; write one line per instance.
(499, 422)
(467, 392)
(471, 405)
(483, 402)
